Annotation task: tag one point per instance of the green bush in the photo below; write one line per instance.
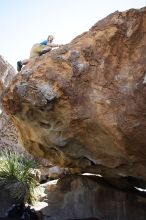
(15, 176)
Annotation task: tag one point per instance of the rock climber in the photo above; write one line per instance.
(38, 49)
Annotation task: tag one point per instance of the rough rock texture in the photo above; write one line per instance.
(58, 172)
(81, 197)
(84, 105)
(9, 135)
(7, 72)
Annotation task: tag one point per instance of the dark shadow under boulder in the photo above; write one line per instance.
(82, 197)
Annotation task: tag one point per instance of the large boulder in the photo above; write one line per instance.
(84, 105)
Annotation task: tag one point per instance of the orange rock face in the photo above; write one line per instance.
(84, 105)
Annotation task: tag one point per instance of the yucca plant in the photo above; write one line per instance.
(15, 176)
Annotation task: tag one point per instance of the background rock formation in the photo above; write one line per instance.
(9, 135)
(7, 72)
(84, 105)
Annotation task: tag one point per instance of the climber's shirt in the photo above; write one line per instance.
(45, 42)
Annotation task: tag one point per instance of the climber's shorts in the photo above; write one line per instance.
(36, 49)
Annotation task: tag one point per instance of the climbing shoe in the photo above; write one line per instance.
(19, 66)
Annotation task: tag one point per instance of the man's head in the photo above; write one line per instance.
(50, 38)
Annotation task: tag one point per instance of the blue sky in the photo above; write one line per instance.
(25, 22)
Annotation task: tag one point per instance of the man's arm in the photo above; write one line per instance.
(44, 51)
(54, 45)
(49, 48)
